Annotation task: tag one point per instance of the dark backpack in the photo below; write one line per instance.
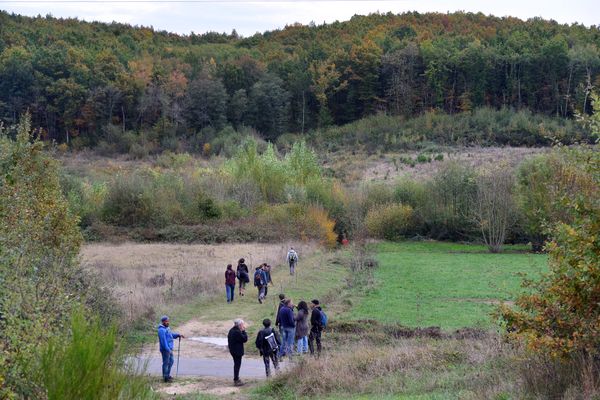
(271, 342)
(257, 279)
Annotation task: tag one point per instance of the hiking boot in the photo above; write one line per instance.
(238, 383)
(260, 300)
(169, 379)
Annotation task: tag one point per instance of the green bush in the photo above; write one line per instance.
(87, 365)
(483, 126)
(446, 209)
(127, 202)
(171, 160)
(41, 281)
(390, 221)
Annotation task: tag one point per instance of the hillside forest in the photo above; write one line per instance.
(89, 84)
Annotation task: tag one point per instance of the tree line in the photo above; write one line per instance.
(80, 79)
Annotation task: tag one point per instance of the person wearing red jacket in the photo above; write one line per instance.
(230, 283)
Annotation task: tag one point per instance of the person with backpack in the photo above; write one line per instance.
(268, 343)
(292, 259)
(243, 275)
(236, 338)
(302, 328)
(260, 281)
(267, 269)
(318, 321)
(229, 283)
(288, 328)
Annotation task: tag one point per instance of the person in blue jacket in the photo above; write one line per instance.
(165, 340)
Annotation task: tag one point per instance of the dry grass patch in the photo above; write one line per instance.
(147, 278)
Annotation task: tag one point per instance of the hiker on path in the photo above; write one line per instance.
(316, 327)
(268, 343)
(302, 328)
(230, 283)
(260, 281)
(236, 338)
(292, 259)
(267, 269)
(165, 341)
(288, 328)
(281, 304)
(243, 275)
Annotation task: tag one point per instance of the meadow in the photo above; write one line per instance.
(443, 284)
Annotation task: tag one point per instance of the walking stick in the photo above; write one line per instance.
(178, 351)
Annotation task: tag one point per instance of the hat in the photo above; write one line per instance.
(164, 318)
(315, 302)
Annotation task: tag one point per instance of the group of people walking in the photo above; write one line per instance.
(295, 332)
(274, 344)
(261, 277)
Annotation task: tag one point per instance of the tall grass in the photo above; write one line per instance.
(86, 363)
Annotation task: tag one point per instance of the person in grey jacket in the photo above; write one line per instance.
(302, 328)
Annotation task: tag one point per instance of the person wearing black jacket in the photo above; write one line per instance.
(243, 275)
(268, 346)
(235, 341)
(281, 304)
(316, 327)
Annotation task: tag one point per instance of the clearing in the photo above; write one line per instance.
(442, 284)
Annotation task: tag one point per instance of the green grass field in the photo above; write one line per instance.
(442, 284)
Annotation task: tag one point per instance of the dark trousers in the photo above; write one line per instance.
(237, 363)
(314, 336)
(167, 363)
(267, 358)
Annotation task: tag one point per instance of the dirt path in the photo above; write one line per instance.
(205, 364)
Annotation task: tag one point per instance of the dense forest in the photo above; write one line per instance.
(83, 82)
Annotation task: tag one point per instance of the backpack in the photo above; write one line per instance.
(293, 256)
(257, 279)
(324, 319)
(271, 342)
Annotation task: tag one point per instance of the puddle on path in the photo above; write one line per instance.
(217, 341)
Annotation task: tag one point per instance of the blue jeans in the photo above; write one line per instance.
(302, 345)
(287, 345)
(230, 289)
(167, 363)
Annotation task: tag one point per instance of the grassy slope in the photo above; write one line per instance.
(442, 284)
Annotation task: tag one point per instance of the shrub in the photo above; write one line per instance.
(317, 225)
(171, 160)
(40, 279)
(423, 158)
(87, 365)
(446, 211)
(390, 221)
(559, 315)
(207, 207)
(483, 126)
(376, 194)
(127, 202)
